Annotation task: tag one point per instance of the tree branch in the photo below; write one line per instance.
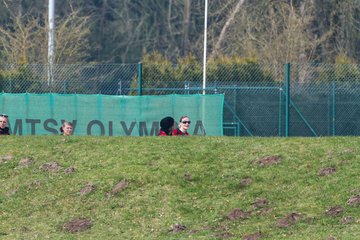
(226, 26)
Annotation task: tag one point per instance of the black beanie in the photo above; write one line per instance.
(167, 123)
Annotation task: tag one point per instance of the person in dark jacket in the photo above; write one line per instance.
(184, 125)
(4, 129)
(167, 125)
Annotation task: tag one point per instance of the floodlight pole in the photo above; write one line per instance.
(205, 46)
(51, 40)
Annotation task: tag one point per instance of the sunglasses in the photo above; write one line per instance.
(4, 115)
(185, 122)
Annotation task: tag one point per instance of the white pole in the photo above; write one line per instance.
(51, 40)
(205, 46)
(204, 65)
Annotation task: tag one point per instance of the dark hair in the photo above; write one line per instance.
(166, 124)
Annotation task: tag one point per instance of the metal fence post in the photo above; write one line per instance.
(140, 79)
(287, 100)
(280, 108)
(334, 108)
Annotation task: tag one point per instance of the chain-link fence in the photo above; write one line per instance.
(110, 79)
(322, 99)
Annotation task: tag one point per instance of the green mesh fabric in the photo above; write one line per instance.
(43, 114)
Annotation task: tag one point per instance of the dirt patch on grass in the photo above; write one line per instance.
(331, 238)
(25, 229)
(36, 184)
(222, 232)
(343, 162)
(326, 171)
(5, 159)
(259, 203)
(119, 187)
(347, 220)
(269, 160)
(289, 220)
(177, 228)
(349, 150)
(238, 214)
(25, 162)
(69, 170)
(224, 235)
(12, 191)
(264, 211)
(77, 225)
(187, 176)
(246, 181)
(89, 187)
(354, 201)
(334, 211)
(253, 236)
(50, 167)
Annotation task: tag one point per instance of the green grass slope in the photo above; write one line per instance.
(179, 188)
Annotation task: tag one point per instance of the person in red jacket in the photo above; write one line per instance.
(184, 125)
(4, 129)
(167, 125)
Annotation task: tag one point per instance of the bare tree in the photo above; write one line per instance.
(24, 39)
(224, 29)
(124, 30)
(72, 43)
(275, 32)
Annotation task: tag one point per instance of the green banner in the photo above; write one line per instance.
(104, 115)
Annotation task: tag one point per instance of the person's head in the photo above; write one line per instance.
(167, 124)
(184, 123)
(66, 129)
(3, 120)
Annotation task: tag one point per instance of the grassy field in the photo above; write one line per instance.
(179, 188)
